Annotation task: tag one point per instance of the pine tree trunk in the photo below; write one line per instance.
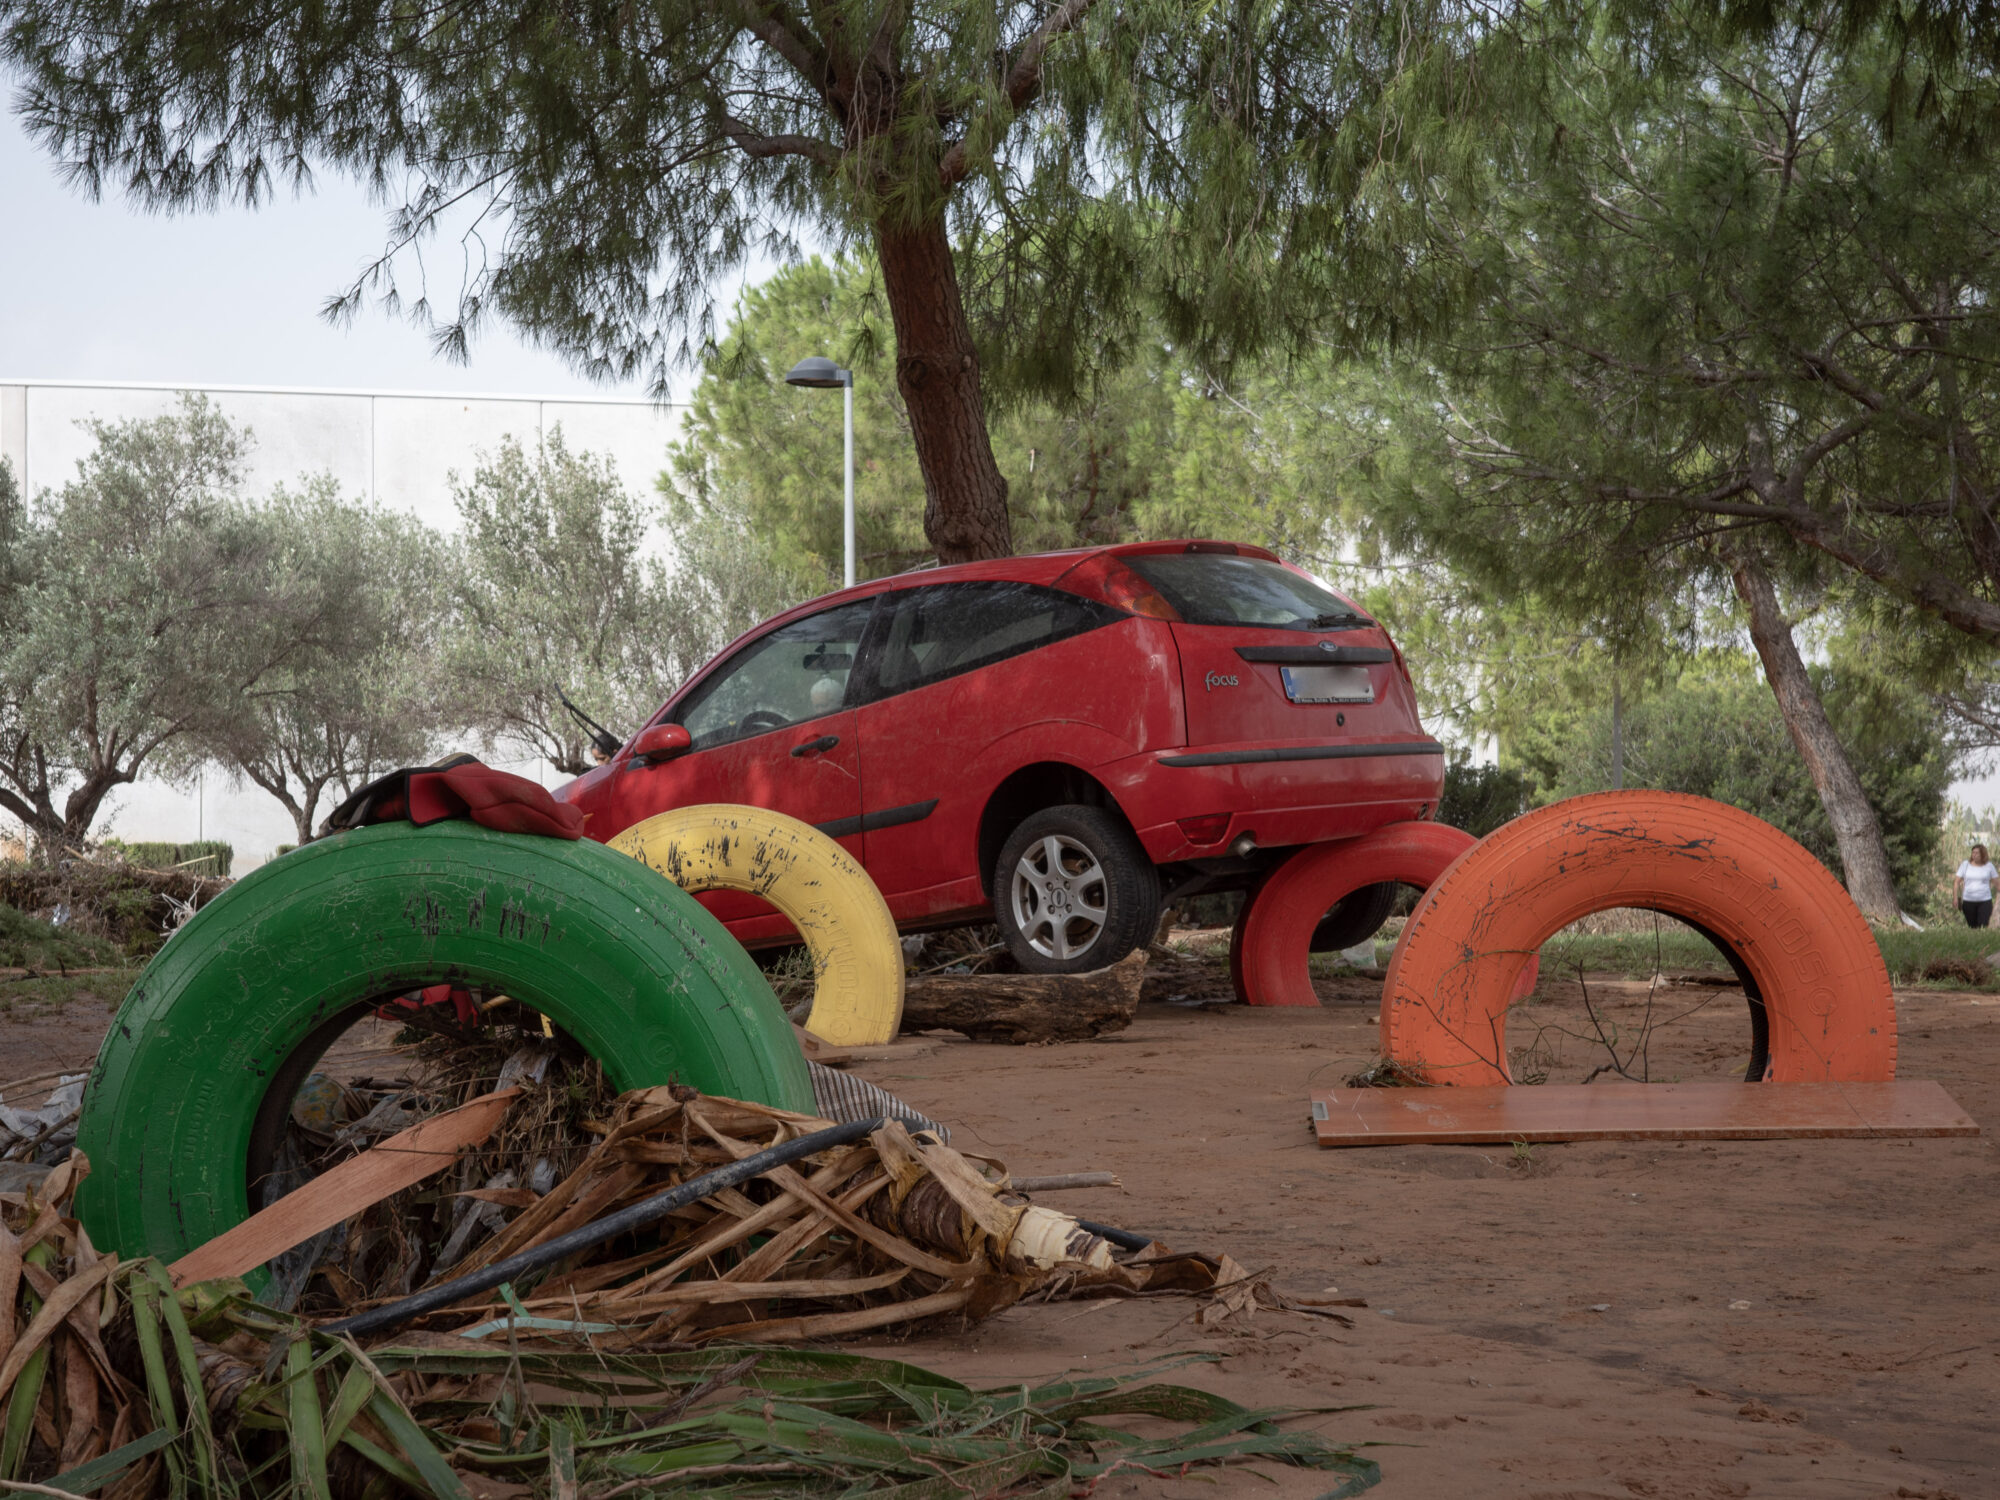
(1855, 830)
(937, 371)
(1617, 733)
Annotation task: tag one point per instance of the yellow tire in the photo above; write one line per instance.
(857, 961)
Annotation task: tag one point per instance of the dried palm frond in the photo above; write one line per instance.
(895, 1229)
(114, 1384)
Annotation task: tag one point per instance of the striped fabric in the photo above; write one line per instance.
(842, 1097)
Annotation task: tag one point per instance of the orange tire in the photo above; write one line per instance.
(1271, 947)
(1788, 921)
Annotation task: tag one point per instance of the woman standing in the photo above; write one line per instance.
(1972, 887)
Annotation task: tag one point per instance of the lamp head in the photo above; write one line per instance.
(818, 371)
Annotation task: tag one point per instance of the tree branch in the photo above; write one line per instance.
(1930, 590)
(1024, 78)
(750, 143)
(19, 808)
(766, 20)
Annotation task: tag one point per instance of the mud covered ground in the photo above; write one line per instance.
(1617, 1319)
(1614, 1319)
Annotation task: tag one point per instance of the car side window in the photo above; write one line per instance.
(798, 672)
(944, 629)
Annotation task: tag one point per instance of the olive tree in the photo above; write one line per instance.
(140, 604)
(554, 592)
(363, 696)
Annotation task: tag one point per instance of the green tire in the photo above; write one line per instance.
(240, 1003)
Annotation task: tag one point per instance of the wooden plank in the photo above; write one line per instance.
(1649, 1111)
(403, 1160)
(818, 1049)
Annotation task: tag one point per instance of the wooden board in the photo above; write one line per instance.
(1622, 1111)
(403, 1160)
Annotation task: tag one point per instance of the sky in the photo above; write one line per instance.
(103, 291)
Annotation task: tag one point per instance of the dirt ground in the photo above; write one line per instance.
(1616, 1319)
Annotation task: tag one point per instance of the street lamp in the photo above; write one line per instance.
(821, 373)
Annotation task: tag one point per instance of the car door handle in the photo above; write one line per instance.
(813, 747)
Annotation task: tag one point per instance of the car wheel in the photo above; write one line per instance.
(1073, 891)
(1354, 918)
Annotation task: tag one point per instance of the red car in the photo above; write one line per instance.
(1055, 743)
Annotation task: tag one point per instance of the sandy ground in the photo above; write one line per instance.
(1615, 1319)
(1792, 1318)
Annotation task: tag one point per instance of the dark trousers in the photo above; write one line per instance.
(1977, 913)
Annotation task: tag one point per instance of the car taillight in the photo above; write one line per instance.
(1401, 665)
(1104, 577)
(1206, 829)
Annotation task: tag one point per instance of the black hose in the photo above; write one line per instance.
(1124, 1239)
(430, 1299)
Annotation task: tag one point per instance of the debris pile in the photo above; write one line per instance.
(115, 1384)
(44, 1135)
(1973, 973)
(395, 1245)
(104, 896)
(894, 1229)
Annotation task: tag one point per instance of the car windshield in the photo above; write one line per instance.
(796, 673)
(1216, 588)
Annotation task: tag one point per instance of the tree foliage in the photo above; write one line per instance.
(1739, 291)
(140, 606)
(1037, 178)
(1075, 476)
(554, 593)
(362, 697)
(1716, 733)
(1156, 449)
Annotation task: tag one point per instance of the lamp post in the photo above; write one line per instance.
(821, 373)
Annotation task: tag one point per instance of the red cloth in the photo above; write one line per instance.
(437, 994)
(493, 799)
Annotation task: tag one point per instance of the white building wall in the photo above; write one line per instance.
(399, 448)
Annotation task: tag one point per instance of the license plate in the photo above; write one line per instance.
(1328, 684)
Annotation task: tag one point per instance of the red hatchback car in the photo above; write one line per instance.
(1055, 743)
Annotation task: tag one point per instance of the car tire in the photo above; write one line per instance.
(811, 880)
(1829, 1012)
(1105, 883)
(1354, 918)
(234, 1010)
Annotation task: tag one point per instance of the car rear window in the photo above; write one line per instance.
(942, 630)
(1210, 588)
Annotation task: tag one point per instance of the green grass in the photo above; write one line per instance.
(1906, 953)
(1674, 949)
(29, 942)
(51, 992)
(53, 954)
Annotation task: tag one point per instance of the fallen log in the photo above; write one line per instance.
(1020, 1008)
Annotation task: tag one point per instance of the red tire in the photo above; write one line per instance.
(1271, 947)
(1824, 986)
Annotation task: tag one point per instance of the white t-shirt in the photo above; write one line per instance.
(1978, 880)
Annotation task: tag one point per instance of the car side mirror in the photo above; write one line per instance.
(662, 742)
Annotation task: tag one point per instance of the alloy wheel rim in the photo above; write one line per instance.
(1060, 894)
